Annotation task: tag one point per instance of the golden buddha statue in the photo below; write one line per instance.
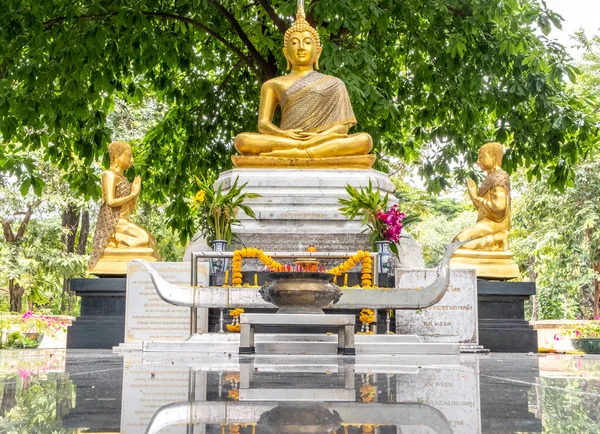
(316, 113)
(488, 251)
(117, 239)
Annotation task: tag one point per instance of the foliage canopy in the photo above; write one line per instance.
(452, 73)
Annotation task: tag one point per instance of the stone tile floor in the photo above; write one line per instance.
(46, 391)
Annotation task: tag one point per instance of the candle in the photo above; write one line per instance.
(255, 279)
(346, 279)
(226, 277)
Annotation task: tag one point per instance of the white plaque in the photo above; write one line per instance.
(452, 319)
(147, 316)
(453, 391)
(146, 388)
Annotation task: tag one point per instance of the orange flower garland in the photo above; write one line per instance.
(367, 267)
(250, 252)
(367, 392)
(235, 325)
(359, 257)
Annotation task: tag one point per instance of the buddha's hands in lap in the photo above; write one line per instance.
(317, 139)
(297, 134)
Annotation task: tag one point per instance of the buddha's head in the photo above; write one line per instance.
(490, 156)
(301, 43)
(120, 155)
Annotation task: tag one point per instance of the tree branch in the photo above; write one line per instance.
(210, 32)
(277, 20)
(9, 236)
(25, 221)
(269, 71)
(59, 20)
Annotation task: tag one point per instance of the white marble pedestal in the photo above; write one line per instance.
(299, 207)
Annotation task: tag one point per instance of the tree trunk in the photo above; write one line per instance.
(70, 222)
(84, 232)
(9, 397)
(16, 292)
(532, 278)
(597, 291)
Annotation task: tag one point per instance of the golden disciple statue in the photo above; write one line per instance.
(117, 239)
(316, 113)
(488, 251)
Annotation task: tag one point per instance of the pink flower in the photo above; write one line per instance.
(577, 332)
(24, 374)
(556, 337)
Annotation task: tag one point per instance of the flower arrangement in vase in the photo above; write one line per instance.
(382, 222)
(216, 212)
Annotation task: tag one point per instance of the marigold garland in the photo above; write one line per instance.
(235, 325)
(367, 392)
(367, 267)
(362, 256)
(250, 252)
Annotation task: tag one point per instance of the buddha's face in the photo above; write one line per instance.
(302, 49)
(124, 160)
(485, 161)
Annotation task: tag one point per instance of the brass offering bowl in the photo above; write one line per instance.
(300, 292)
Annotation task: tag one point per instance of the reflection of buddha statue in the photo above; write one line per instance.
(117, 239)
(316, 113)
(488, 249)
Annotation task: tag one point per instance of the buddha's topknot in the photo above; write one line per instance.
(301, 25)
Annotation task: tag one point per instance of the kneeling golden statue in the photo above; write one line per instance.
(117, 239)
(316, 114)
(488, 251)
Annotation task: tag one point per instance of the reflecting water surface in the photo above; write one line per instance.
(97, 391)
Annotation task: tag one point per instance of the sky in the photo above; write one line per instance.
(576, 14)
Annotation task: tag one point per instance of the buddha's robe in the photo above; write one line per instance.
(315, 103)
(499, 178)
(108, 219)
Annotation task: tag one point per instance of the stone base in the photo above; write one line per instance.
(489, 264)
(502, 324)
(299, 207)
(101, 323)
(114, 260)
(301, 201)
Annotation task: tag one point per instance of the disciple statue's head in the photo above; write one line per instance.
(490, 156)
(301, 43)
(120, 155)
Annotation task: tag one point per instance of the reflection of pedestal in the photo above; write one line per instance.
(505, 404)
(248, 372)
(101, 323)
(502, 324)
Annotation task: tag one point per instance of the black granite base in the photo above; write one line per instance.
(501, 312)
(101, 323)
(98, 393)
